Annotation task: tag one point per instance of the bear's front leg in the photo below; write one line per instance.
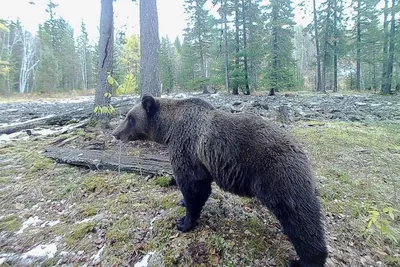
(195, 194)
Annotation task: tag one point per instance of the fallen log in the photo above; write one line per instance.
(108, 160)
(61, 119)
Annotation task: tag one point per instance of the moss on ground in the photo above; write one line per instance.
(79, 231)
(10, 223)
(162, 181)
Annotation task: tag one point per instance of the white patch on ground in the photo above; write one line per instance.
(50, 223)
(96, 217)
(155, 218)
(36, 207)
(32, 221)
(6, 256)
(145, 260)
(41, 251)
(85, 220)
(96, 257)
(75, 100)
(10, 137)
(45, 131)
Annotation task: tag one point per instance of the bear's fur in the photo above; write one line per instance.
(243, 154)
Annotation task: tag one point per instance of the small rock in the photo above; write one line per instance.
(360, 104)
(80, 252)
(354, 118)
(236, 103)
(19, 206)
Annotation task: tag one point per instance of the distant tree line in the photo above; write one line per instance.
(248, 46)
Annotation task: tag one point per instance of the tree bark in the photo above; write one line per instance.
(246, 72)
(318, 76)
(335, 48)
(150, 80)
(104, 90)
(323, 78)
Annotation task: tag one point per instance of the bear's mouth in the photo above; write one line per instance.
(128, 139)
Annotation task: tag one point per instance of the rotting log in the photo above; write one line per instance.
(61, 119)
(108, 160)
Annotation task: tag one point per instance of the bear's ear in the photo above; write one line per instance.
(149, 104)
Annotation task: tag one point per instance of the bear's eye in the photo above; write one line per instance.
(131, 120)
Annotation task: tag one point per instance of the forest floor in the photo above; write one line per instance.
(57, 214)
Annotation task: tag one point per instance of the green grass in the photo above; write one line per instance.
(356, 167)
(10, 223)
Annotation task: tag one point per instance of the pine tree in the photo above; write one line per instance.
(281, 71)
(387, 89)
(255, 41)
(365, 22)
(199, 35)
(84, 56)
(47, 75)
(189, 65)
(167, 65)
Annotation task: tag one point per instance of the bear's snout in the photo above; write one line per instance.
(115, 133)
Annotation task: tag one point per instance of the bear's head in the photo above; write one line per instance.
(136, 123)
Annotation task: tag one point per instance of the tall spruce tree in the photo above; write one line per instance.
(167, 65)
(365, 21)
(387, 88)
(280, 74)
(198, 33)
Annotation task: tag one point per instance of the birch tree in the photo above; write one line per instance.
(29, 61)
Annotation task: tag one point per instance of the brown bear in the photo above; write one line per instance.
(244, 154)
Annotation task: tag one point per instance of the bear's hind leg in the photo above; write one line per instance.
(300, 217)
(195, 194)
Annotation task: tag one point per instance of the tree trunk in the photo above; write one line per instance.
(358, 67)
(275, 47)
(235, 90)
(318, 82)
(28, 57)
(224, 11)
(246, 71)
(335, 49)
(389, 74)
(150, 81)
(203, 66)
(103, 91)
(385, 44)
(323, 78)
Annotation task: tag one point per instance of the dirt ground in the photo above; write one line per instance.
(54, 214)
